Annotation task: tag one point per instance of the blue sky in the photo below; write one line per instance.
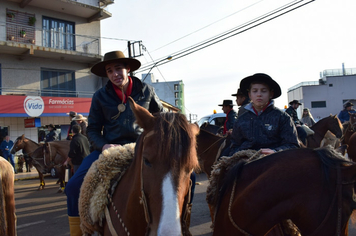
(292, 48)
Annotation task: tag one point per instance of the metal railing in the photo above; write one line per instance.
(44, 92)
(339, 72)
(51, 38)
(306, 83)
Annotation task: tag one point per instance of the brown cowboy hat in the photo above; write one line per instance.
(115, 56)
(79, 117)
(227, 103)
(239, 92)
(348, 104)
(263, 78)
(295, 102)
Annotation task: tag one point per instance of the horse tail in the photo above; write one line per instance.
(232, 174)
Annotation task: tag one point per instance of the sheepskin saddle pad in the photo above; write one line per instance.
(220, 168)
(111, 164)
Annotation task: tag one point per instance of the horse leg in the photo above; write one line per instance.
(9, 197)
(61, 179)
(42, 182)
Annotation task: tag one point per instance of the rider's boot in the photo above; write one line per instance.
(74, 226)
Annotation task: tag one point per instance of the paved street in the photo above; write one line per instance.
(45, 212)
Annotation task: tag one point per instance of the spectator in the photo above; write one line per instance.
(79, 148)
(82, 121)
(5, 147)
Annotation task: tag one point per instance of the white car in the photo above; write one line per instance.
(217, 119)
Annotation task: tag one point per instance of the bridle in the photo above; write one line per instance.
(143, 201)
(337, 197)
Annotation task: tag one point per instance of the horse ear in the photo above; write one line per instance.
(195, 128)
(22, 136)
(143, 117)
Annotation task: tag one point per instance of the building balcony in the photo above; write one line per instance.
(89, 9)
(25, 40)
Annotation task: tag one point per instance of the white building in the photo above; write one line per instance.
(326, 96)
(171, 92)
(46, 50)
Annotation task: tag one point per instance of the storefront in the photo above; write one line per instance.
(29, 115)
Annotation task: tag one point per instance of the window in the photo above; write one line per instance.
(177, 103)
(58, 34)
(176, 86)
(318, 104)
(176, 94)
(57, 83)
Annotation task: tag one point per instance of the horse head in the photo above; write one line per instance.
(166, 156)
(18, 144)
(335, 126)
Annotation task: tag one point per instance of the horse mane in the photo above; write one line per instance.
(20, 137)
(174, 129)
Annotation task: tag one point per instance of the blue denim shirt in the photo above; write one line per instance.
(344, 115)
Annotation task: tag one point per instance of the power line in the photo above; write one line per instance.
(230, 33)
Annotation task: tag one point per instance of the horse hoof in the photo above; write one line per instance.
(197, 183)
(40, 188)
(60, 190)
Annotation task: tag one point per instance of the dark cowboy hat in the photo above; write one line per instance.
(72, 113)
(295, 102)
(52, 126)
(262, 78)
(239, 92)
(227, 103)
(115, 56)
(348, 104)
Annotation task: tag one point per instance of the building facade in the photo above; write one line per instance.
(171, 92)
(327, 95)
(47, 48)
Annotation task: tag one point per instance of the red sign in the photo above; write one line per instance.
(29, 123)
(19, 106)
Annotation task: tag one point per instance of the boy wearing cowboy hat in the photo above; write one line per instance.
(230, 115)
(291, 110)
(263, 126)
(110, 120)
(241, 100)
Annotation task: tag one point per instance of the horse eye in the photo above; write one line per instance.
(147, 163)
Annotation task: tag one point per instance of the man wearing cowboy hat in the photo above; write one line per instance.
(291, 110)
(52, 135)
(241, 100)
(230, 115)
(71, 115)
(111, 121)
(82, 121)
(344, 114)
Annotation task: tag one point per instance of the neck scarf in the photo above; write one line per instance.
(128, 91)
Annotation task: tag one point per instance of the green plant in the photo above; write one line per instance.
(32, 20)
(10, 15)
(23, 33)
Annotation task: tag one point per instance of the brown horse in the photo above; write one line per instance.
(54, 154)
(209, 148)
(7, 199)
(349, 128)
(312, 187)
(28, 147)
(351, 149)
(152, 196)
(331, 123)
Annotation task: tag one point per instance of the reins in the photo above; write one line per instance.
(211, 145)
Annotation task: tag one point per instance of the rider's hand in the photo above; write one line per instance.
(106, 146)
(267, 151)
